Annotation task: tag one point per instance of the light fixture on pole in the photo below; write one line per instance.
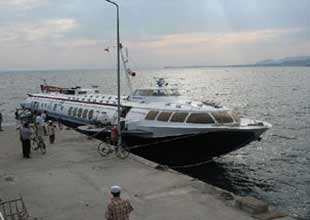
(118, 72)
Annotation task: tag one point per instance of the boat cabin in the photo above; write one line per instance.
(68, 91)
(153, 94)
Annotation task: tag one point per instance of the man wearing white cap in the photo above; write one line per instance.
(118, 208)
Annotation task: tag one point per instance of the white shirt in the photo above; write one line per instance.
(39, 120)
(43, 116)
(40, 130)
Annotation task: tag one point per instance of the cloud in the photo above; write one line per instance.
(46, 31)
(74, 43)
(218, 48)
(219, 39)
(21, 4)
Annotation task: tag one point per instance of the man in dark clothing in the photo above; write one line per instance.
(25, 137)
(118, 209)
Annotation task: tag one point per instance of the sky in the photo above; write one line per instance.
(66, 34)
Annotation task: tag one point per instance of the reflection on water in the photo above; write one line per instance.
(232, 177)
(275, 169)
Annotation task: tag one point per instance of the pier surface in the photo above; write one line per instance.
(72, 181)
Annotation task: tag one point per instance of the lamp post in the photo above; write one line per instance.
(118, 72)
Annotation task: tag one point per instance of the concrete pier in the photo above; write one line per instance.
(72, 181)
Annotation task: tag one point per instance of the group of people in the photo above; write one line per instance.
(41, 128)
(118, 208)
(44, 127)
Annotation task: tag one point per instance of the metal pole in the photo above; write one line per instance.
(118, 74)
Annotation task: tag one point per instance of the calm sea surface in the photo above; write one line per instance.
(277, 169)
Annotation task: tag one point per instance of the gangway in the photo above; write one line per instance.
(14, 210)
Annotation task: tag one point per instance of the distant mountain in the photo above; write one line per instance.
(288, 61)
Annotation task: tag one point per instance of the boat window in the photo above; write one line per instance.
(156, 92)
(74, 112)
(179, 117)
(144, 92)
(83, 99)
(70, 111)
(101, 101)
(80, 112)
(151, 115)
(222, 117)
(200, 118)
(85, 113)
(55, 106)
(82, 92)
(90, 114)
(88, 100)
(164, 116)
(235, 116)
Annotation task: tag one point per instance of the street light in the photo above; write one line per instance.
(118, 72)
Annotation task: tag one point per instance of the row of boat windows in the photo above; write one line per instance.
(72, 111)
(108, 99)
(36, 105)
(82, 113)
(198, 118)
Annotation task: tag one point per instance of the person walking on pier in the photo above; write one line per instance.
(25, 137)
(1, 118)
(118, 208)
(39, 133)
(114, 136)
(51, 131)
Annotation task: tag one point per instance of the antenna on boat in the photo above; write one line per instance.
(127, 70)
(160, 81)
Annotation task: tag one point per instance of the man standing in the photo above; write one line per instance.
(118, 209)
(1, 121)
(25, 137)
(39, 133)
(51, 131)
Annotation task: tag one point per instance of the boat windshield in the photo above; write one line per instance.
(156, 92)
